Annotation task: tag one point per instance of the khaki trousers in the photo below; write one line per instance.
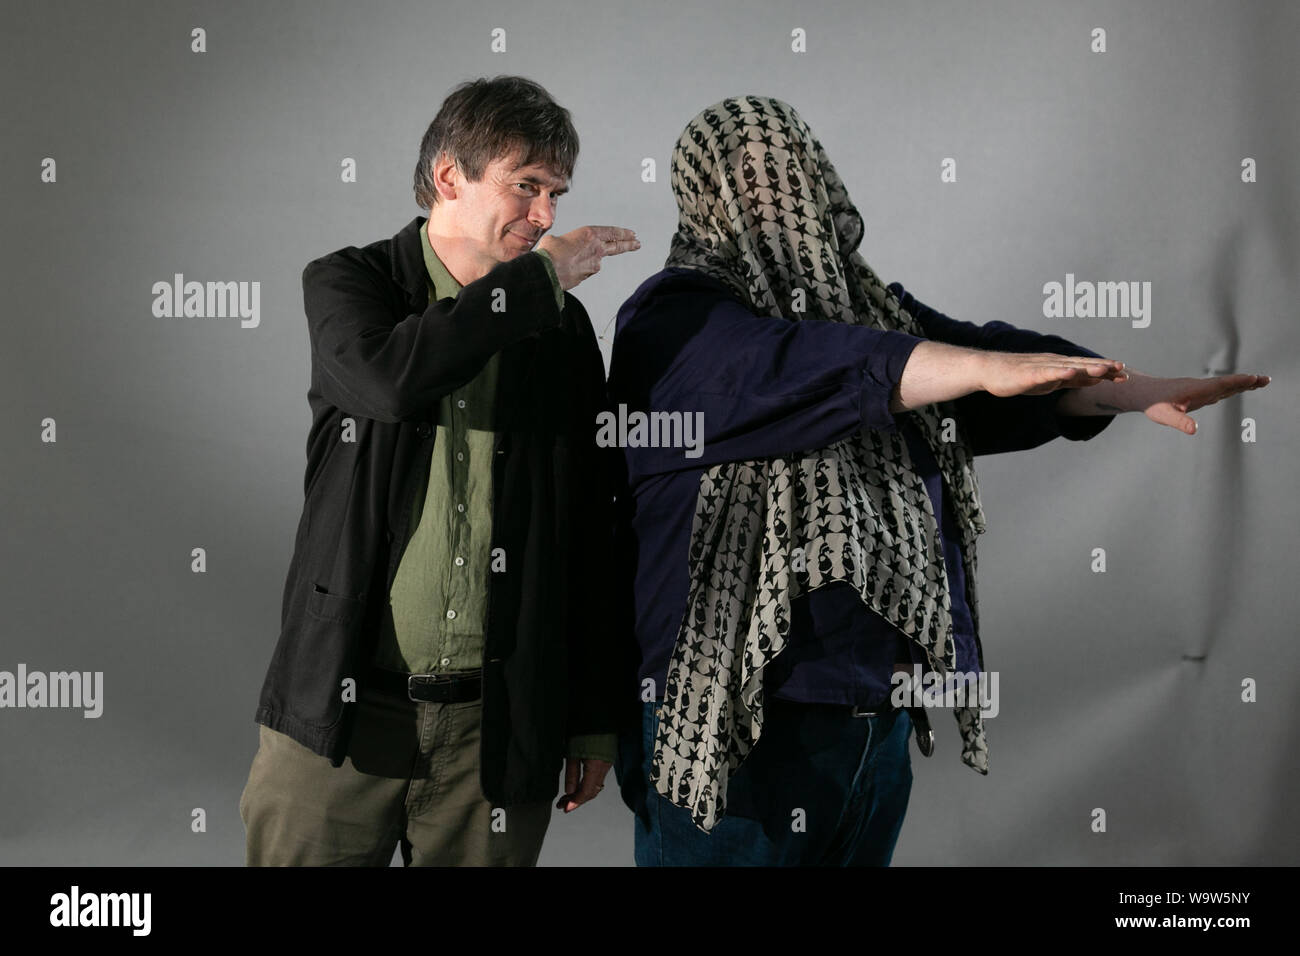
(411, 779)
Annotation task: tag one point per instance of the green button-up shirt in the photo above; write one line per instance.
(440, 594)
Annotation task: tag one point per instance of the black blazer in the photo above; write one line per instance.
(382, 356)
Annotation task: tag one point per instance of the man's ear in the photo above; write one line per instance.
(446, 177)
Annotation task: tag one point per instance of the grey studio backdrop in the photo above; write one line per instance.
(1119, 690)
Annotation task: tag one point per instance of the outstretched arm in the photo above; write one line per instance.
(996, 425)
(937, 372)
(1165, 401)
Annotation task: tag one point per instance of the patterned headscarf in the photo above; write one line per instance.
(763, 210)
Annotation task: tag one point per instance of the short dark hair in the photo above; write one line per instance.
(482, 120)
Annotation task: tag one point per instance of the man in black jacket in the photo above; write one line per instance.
(444, 642)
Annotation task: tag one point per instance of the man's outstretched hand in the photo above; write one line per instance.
(1036, 373)
(1166, 401)
(576, 255)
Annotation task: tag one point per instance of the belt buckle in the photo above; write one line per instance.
(876, 711)
(423, 680)
(438, 680)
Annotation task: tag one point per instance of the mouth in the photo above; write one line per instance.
(525, 240)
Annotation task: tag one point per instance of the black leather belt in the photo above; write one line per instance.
(450, 688)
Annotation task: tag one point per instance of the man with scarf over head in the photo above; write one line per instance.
(823, 536)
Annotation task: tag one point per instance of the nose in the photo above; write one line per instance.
(540, 213)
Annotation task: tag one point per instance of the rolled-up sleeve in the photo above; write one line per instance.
(884, 369)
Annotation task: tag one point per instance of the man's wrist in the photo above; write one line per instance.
(975, 370)
(593, 747)
(1109, 398)
(938, 372)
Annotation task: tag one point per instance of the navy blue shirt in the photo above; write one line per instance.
(770, 387)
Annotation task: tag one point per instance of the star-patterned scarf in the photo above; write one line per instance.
(762, 209)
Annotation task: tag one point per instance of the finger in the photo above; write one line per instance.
(585, 793)
(1241, 380)
(593, 774)
(1045, 379)
(1200, 398)
(1079, 361)
(1105, 371)
(612, 232)
(571, 768)
(1248, 383)
(1165, 413)
(1062, 379)
(1253, 382)
(615, 247)
(1226, 385)
(1073, 377)
(1071, 374)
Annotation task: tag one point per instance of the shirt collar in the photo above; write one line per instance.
(444, 286)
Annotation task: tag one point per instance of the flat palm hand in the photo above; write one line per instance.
(1170, 399)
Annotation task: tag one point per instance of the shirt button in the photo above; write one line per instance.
(460, 403)
(445, 661)
(459, 562)
(451, 615)
(460, 508)
(460, 456)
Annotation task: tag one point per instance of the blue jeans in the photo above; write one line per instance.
(820, 788)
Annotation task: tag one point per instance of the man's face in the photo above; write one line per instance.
(504, 214)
